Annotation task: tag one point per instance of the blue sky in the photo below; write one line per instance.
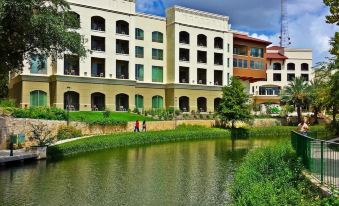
(307, 26)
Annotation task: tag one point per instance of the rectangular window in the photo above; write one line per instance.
(290, 77)
(139, 72)
(277, 77)
(252, 65)
(245, 65)
(228, 78)
(239, 63)
(97, 43)
(228, 62)
(305, 77)
(157, 54)
(257, 52)
(228, 48)
(157, 74)
(38, 65)
(157, 37)
(235, 63)
(139, 52)
(139, 34)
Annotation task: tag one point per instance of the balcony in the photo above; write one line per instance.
(184, 75)
(218, 76)
(202, 57)
(218, 59)
(122, 27)
(202, 40)
(71, 65)
(184, 55)
(98, 43)
(122, 69)
(98, 67)
(184, 37)
(122, 47)
(201, 76)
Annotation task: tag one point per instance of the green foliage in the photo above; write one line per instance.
(42, 135)
(49, 113)
(36, 27)
(3, 83)
(7, 103)
(272, 176)
(182, 133)
(234, 103)
(95, 116)
(106, 114)
(273, 110)
(106, 121)
(333, 17)
(296, 93)
(68, 132)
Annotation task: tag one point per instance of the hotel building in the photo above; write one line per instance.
(142, 61)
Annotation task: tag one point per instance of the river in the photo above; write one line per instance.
(183, 173)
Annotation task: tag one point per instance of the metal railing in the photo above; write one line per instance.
(320, 158)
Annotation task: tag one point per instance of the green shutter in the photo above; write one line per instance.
(139, 101)
(157, 74)
(139, 72)
(38, 98)
(157, 102)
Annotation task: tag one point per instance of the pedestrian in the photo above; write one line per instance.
(136, 126)
(303, 127)
(144, 126)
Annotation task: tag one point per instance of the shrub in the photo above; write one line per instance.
(272, 176)
(40, 113)
(68, 132)
(7, 103)
(42, 134)
(106, 114)
(107, 121)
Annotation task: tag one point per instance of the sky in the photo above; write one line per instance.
(261, 19)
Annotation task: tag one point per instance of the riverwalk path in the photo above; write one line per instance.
(18, 155)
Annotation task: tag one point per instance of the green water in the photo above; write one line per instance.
(186, 173)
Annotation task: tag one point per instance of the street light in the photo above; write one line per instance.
(67, 106)
(174, 115)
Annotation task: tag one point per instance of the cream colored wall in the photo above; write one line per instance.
(28, 87)
(296, 56)
(150, 24)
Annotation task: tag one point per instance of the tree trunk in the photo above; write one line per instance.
(316, 111)
(334, 121)
(233, 124)
(299, 113)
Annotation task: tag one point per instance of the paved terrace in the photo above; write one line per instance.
(18, 155)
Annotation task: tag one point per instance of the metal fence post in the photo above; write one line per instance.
(322, 162)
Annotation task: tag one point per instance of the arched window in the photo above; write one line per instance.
(290, 66)
(157, 102)
(71, 101)
(184, 104)
(202, 104)
(98, 101)
(139, 34)
(202, 40)
(139, 101)
(38, 98)
(122, 27)
(184, 37)
(157, 37)
(72, 20)
(276, 66)
(97, 23)
(304, 67)
(122, 102)
(217, 102)
(218, 43)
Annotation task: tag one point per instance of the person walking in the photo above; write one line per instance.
(303, 127)
(136, 126)
(144, 126)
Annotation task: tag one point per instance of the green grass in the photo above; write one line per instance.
(183, 133)
(273, 176)
(118, 116)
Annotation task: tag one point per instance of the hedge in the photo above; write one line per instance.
(183, 133)
(273, 176)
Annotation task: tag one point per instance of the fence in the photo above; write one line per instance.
(321, 158)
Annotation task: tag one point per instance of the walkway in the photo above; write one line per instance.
(18, 155)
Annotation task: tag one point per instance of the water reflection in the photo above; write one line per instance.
(187, 173)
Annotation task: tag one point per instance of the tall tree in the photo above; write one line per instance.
(36, 27)
(234, 104)
(333, 18)
(334, 99)
(296, 93)
(318, 96)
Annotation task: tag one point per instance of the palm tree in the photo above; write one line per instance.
(296, 93)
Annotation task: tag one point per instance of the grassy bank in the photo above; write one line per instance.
(117, 116)
(181, 134)
(273, 176)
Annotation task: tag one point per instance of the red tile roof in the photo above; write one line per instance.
(248, 38)
(275, 56)
(275, 48)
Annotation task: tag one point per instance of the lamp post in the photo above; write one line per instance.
(67, 106)
(174, 115)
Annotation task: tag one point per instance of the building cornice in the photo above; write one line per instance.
(198, 13)
(102, 9)
(149, 16)
(193, 87)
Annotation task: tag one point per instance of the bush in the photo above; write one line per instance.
(106, 114)
(107, 121)
(7, 103)
(272, 176)
(40, 113)
(68, 132)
